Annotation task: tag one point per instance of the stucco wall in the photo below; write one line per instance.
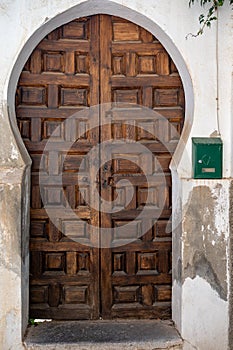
(201, 283)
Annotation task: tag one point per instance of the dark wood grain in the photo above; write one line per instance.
(88, 62)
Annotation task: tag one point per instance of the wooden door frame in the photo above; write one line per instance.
(86, 9)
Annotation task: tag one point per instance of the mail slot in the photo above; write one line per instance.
(207, 157)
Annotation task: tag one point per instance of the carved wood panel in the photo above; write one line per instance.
(61, 78)
(91, 61)
(136, 277)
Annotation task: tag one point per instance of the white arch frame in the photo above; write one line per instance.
(88, 8)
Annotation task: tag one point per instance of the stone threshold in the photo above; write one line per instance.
(103, 335)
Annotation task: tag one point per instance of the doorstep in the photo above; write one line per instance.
(103, 335)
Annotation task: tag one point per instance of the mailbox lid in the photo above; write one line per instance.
(207, 157)
(207, 140)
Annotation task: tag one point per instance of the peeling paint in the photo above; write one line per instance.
(199, 256)
(202, 267)
(219, 194)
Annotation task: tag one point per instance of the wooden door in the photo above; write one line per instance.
(136, 277)
(91, 61)
(62, 78)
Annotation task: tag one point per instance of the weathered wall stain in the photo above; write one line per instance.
(204, 250)
(231, 267)
(8, 235)
(176, 241)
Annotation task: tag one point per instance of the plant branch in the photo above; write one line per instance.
(206, 20)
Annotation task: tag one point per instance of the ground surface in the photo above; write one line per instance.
(109, 335)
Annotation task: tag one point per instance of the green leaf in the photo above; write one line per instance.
(201, 18)
(206, 19)
(32, 322)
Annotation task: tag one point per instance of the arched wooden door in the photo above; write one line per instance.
(91, 61)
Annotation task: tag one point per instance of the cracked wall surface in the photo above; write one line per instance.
(204, 246)
(205, 233)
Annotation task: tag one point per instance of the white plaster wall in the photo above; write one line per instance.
(204, 313)
(23, 17)
(204, 317)
(10, 270)
(225, 85)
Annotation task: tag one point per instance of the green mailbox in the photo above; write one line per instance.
(207, 157)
